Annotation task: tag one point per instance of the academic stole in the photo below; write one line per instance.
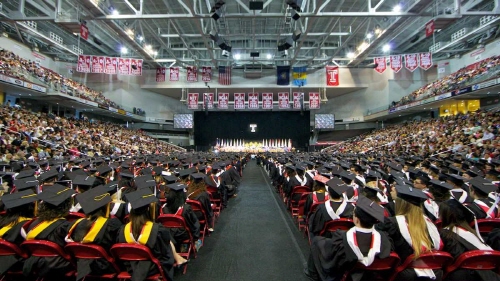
(143, 237)
(93, 232)
(35, 231)
(8, 227)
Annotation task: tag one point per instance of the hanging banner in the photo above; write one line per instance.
(223, 99)
(135, 67)
(192, 100)
(429, 28)
(239, 100)
(411, 62)
(84, 63)
(208, 100)
(297, 103)
(206, 74)
(283, 100)
(110, 65)
(425, 60)
(267, 100)
(174, 74)
(314, 102)
(123, 66)
(332, 76)
(161, 74)
(97, 64)
(84, 31)
(396, 63)
(381, 64)
(253, 100)
(192, 74)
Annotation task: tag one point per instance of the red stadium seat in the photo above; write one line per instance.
(47, 249)
(334, 225)
(486, 225)
(301, 220)
(92, 251)
(296, 196)
(476, 260)
(135, 252)
(174, 221)
(431, 260)
(197, 207)
(380, 266)
(10, 249)
(73, 216)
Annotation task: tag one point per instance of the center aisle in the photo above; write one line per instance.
(254, 239)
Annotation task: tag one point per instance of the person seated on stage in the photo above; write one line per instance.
(411, 231)
(484, 193)
(331, 257)
(52, 226)
(176, 205)
(459, 237)
(20, 207)
(144, 231)
(197, 191)
(333, 209)
(319, 194)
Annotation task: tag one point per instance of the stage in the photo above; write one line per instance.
(251, 146)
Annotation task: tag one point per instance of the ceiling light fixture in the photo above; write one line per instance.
(237, 56)
(397, 8)
(351, 55)
(124, 50)
(269, 56)
(386, 48)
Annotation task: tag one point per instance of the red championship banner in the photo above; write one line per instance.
(396, 63)
(381, 64)
(314, 102)
(425, 60)
(296, 100)
(253, 100)
(206, 74)
(84, 63)
(239, 100)
(223, 100)
(174, 74)
(411, 62)
(110, 65)
(267, 100)
(97, 64)
(332, 76)
(161, 74)
(208, 99)
(84, 31)
(192, 74)
(429, 28)
(192, 100)
(283, 100)
(123, 66)
(135, 67)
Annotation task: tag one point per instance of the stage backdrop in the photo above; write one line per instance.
(236, 125)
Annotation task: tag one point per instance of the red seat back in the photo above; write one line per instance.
(334, 225)
(431, 260)
(476, 260)
(10, 249)
(172, 221)
(135, 252)
(388, 263)
(73, 216)
(197, 207)
(42, 248)
(486, 225)
(301, 189)
(89, 251)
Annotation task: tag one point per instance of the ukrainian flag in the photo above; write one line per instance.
(299, 75)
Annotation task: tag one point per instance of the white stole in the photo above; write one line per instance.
(302, 182)
(116, 207)
(462, 197)
(471, 238)
(75, 208)
(374, 249)
(433, 208)
(335, 215)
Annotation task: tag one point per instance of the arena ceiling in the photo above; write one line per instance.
(184, 32)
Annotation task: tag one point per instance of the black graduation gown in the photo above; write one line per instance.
(235, 176)
(178, 235)
(493, 239)
(204, 199)
(13, 236)
(330, 258)
(293, 182)
(478, 211)
(457, 246)
(122, 210)
(56, 232)
(159, 244)
(321, 216)
(309, 201)
(105, 238)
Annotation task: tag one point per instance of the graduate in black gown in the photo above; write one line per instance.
(485, 204)
(19, 208)
(298, 179)
(197, 191)
(459, 237)
(144, 231)
(97, 228)
(319, 194)
(52, 226)
(330, 258)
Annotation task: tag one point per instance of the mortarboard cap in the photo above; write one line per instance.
(157, 170)
(25, 183)
(336, 187)
(145, 181)
(127, 175)
(198, 176)
(370, 208)
(321, 179)
(461, 211)
(412, 195)
(483, 185)
(95, 198)
(102, 170)
(184, 173)
(56, 194)
(140, 198)
(170, 179)
(84, 180)
(177, 186)
(441, 184)
(25, 174)
(48, 175)
(20, 198)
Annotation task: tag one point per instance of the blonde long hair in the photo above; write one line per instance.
(418, 231)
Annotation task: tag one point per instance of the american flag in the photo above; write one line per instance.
(225, 75)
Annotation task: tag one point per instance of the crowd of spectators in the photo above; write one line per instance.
(473, 73)
(25, 134)
(473, 135)
(15, 66)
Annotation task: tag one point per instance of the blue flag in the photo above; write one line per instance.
(283, 74)
(300, 75)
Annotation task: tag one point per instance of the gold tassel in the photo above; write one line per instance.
(35, 212)
(153, 211)
(108, 206)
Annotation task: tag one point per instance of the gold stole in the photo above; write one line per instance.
(33, 233)
(143, 237)
(94, 229)
(8, 227)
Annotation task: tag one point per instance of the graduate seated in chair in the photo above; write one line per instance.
(197, 191)
(330, 258)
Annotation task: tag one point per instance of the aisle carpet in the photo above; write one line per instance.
(254, 239)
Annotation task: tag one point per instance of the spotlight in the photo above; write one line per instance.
(216, 15)
(225, 53)
(296, 35)
(397, 8)
(214, 35)
(294, 4)
(283, 53)
(369, 35)
(295, 15)
(140, 38)
(237, 56)
(124, 50)
(386, 48)
(269, 56)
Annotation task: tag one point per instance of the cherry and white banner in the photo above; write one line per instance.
(253, 100)
(208, 100)
(314, 102)
(297, 100)
(396, 63)
(429, 28)
(192, 74)
(223, 100)
(110, 66)
(267, 100)
(206, 74)
(174, 74)
(283, 100)
(381, 64)
(135, 67)
(332, 76)
(84, 31)
(123, 66)
(411, 62)
(425, 60)
(161, 74)
(84, 63)
(98, 64)
(192, 100)
(239, 100)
